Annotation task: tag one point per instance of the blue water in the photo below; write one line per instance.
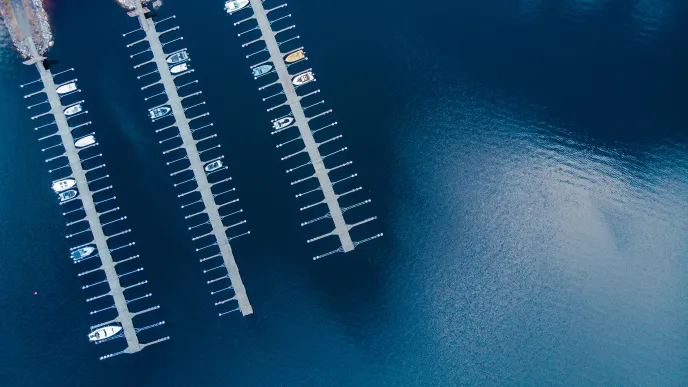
(528, 161)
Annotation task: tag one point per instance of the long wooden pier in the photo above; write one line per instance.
(196, 164)
(85, 195)
(321, 171)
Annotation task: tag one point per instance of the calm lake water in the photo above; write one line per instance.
(527, 160)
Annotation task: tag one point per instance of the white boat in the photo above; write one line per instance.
(178, 57)
(64, 184)
(179, 68)
(104, 332)
(213, 166)
(82, 253)
(70, 111)
(303, 78)
(260, 70)
(66, 88)
(85, 141)
(235, 5)
(161, 111)
(283, 122)
(67, 195)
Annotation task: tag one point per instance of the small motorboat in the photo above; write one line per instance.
(72, 110)
(64, 184)
(283, 122)
(159, 112)
(260, 70)
(235, 5)
(67, 195)
(85, 141)
(66, 88)
(303, 78)
(295, 56)
(82, 253)
(178, 57)
(179, 68)
(213, 166)
(104, 332)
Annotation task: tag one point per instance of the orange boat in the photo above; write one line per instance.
(295, 56)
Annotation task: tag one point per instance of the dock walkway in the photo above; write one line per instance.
(196, 164)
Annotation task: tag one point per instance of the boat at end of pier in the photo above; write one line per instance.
(179, 68)
(263, 69)
(70, 111)
(82, 253)
(213, 166)
(283, 122)
(104, 333)
(303, 78)
(235, 5)
(178, 57)
(85, 141)
(64, 184)
(67, 195)
(295, 56)
(159, 112)
(66, 88)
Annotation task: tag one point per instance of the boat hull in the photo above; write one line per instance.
(82, 253)
(295, 56)
(85, 141)
(177, 58)
(303, 78)
(67, 195)
(179, 68)
(235, 5)
(260, 70)
(72, 110)
(159, 112)
(104, 333)
(68, 88)
(284, 122)
(62, 185)
(213, 166)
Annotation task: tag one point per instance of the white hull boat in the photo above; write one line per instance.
(72, 110)
(178, 57)
(67, 195)
(283, 122)
(66, 88)
(235, 5)
(104, 333)
(159, 112)
(62, 185)
(82, 253)
(85, 141)
(213, 166)
(303, 78)
(260, 70)
(179, 68)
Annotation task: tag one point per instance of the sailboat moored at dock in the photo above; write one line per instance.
(104, 333)
(295, 56)
(235, 5)
(159, 112)
(64, 184)
(213, 166)
(72, 110)
(85, 141)
(263, 69)
(179, 68)
(66, 88)
(82, 253)
(303, 78)
(283, 122)
(67, 195)
(179, 57)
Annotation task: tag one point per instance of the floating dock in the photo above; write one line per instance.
(297, 118)
(88, 210)
(185, 151)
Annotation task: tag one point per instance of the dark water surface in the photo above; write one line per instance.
(528, 161)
